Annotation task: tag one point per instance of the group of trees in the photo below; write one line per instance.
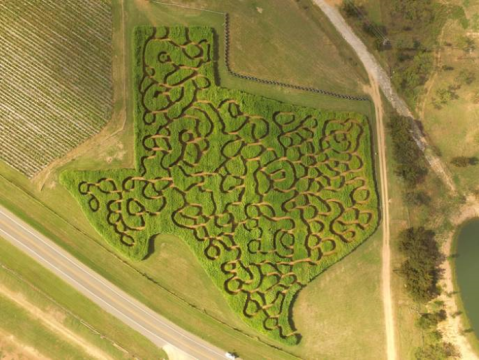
(421, 271)
(449, 93)
(409, 159)
(421, 267)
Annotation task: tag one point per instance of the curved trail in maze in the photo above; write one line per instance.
(267, 195)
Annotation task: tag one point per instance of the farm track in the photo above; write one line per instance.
(375, 70)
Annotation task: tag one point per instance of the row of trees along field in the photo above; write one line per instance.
(420, 268)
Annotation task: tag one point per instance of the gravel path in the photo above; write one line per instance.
(375, 71)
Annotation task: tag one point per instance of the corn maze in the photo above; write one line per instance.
(55, 78)
(266, 194)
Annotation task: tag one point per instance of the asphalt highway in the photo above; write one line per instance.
(108, 296)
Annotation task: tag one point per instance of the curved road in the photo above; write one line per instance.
(377, 73)
(379, 80)
(109, 297)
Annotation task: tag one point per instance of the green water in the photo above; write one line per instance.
(467, 271)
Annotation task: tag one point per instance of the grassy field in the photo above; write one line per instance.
(55, 320)
(263, 216)
(451, 105)
(171, 280)
(57, 91)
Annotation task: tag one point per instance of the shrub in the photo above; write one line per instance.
(464, 161)
(421, 267)
(409, 160)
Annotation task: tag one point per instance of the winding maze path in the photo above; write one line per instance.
(266, 194)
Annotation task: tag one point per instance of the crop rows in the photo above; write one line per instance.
(266, 194)
(56, 86)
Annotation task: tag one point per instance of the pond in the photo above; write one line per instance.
(467, 271)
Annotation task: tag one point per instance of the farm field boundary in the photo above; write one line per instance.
(227, 37)
(196, 147)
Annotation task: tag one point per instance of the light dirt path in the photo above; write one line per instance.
(386, 251)
(375, 71)
(53, 322)
(421, 108)
(13, 349)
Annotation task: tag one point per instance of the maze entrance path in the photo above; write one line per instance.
(266, 194)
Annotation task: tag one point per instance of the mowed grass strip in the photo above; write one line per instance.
(266, 194)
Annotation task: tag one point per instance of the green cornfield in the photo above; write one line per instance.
(266, 194)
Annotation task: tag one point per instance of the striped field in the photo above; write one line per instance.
(55, 78)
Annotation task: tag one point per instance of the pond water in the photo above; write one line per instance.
(467, 271)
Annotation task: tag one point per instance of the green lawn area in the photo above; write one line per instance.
(42, 312)
(171, 280)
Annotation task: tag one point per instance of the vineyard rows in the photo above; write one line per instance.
(56, 85)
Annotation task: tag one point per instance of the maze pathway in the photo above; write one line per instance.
(266, 194)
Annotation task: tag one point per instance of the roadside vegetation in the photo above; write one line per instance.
(52, 320)
(420, 256)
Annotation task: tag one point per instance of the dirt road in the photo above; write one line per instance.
(375, 71)
(378, 79)
(386, 251)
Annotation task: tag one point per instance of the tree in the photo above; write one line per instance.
(466, 77)
(429, 321)
(349, 9)
(464, 161)
(421, 268)
(417, 198)
(409, 161)
(437, 351)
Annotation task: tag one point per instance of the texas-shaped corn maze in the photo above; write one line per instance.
(266, 194)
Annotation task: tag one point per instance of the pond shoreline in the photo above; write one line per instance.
(452, 328)
(472, 337)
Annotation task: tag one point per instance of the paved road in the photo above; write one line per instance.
(375, 71)
(115, 301)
